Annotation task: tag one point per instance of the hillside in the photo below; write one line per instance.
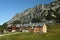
(39, 13)
(53, 34)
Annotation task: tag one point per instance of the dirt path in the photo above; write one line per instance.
(9, 34)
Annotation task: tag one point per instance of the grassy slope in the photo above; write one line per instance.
(53, 34)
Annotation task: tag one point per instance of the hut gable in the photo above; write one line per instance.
(9, 25)
(18, 25)
(44, 28)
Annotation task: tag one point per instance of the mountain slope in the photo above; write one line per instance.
(40, 11)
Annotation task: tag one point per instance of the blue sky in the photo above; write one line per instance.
(9, 8)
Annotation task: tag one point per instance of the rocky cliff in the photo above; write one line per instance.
(39, 13)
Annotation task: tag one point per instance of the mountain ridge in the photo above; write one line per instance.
(39, 11)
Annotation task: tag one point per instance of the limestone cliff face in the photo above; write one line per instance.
(39, 11)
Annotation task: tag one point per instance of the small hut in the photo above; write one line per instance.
(38, 27)
(11, 28)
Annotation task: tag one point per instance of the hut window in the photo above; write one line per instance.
(33, 26)
(29, 26)
(39, 26)
(58, 3)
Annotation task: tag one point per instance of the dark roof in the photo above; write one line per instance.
(33, 24)
(26, 25)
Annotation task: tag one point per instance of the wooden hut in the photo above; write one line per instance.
(11, 28)
(37, 27)
(33, 27)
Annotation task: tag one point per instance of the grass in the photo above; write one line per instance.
(53, 34)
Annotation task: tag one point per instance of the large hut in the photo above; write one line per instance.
(33, 27)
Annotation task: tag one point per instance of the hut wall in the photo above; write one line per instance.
(44, 28)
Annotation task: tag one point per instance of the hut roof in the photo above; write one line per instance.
(9, 25)
(33, 24)
(26, 25)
